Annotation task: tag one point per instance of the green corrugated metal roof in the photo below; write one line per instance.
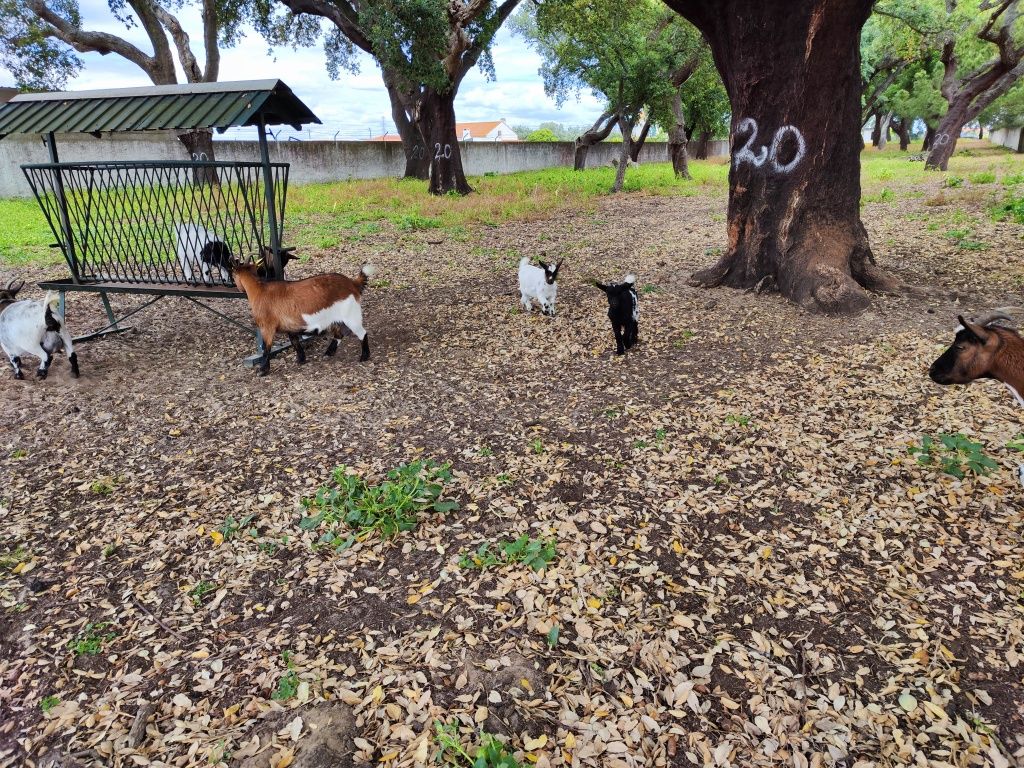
(161, 107)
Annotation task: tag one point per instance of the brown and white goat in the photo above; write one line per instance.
(983, 350)
(324, 303)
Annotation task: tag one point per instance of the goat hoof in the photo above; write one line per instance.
(19, 375)
(41, 374)
(262, 371)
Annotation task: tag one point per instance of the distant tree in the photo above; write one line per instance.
(424, 49)
(1007, 111)
(916, 95)
(542, 134)
(40, 40)
(792, 72)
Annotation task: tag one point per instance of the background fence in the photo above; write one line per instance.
(311, 161)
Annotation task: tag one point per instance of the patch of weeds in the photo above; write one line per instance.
(103, 486)
(10, 560)
(19, 453)
(411, 222)
(721, 480)
(232, 527)
(952, 182)
(553, 636)
(1010, 207)
(885, 196)
(955, 454)
(640, 444)
(109, 550)
(537, 446)
(650, 289)
(351, 509)
(488, 753)
(737, 418)
(91, 639)
(1016, 178)
(534, 553)
(611, 413)
(983, 177)
(684, 337)
(288, 683)
(201, 590)
(485, 451)
(963, 239)
(660, 435)
(49, 702)
(503, 479)
(1017, 443)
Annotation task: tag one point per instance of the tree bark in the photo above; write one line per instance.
(902, 128)
(417, 161)
(677, 139)
(794, 182)
(626, 129)
(634, 152)
(596, 134)
(883, 134)
(701, 150)
(199, 145)
(929, 137)
(981, 132)
(436, 122)
(876, 130)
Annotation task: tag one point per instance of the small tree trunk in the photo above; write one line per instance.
(929, 137)
(626, 128)
(436, 122)
(199, 145)
(981, 132)
(634, 152)
(597, 133)
(883, 134)
(944, 142)
(701, 150)
(876, 131)
(794, 183)
(677, 139)
(902, 127)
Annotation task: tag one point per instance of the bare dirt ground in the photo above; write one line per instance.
(751, 568)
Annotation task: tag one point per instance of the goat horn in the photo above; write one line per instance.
(990, 317)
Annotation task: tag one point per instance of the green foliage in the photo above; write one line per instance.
(553, 636)
(537, 446)
(37, 61)
(1010, 207)
(19, 453)
(1017, 443)
(103, 486)
(542, 134)
(288, 683)
(201, 590)
(10, 560)
(738, 419)
(964, 240)
(351, 509)
(49, 702)
(532, 552)
(488, 753)
(231, 527)
(984, 177)
(952, 182)
(91, 639)
(955, 454)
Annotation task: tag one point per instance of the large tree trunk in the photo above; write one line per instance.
(902, 128)
(794, 183)
(436, 121)
(701, 150)
(199, 145)
(634, 152)
(677, 139)
(929, 137)
(944, 143)
(417, 161)
(596, 134)
(626, 129)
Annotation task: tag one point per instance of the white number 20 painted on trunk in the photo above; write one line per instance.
(446, 153)
(746, 154)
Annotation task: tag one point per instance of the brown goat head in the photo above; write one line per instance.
(969, 357)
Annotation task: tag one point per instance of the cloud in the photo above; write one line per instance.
(354, 107)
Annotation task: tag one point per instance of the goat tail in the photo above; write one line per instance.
(630, 278)
(367, 271)
(52, 301)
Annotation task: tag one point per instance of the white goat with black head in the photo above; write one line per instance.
(538, 284)
(9, 294)
(36, 328)
(623, 311)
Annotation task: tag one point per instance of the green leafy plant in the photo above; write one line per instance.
(955, 454)
(232, 527)
(10, 560)
(650, 289)
(684, 337)
(1017, 443)
(288, 683)
(535, 553)
(486, 451)
(954, 181)
(1010, 207)
(49, 702)
(201, 590)
(91, 639)
(19, 453)
(537, 446)
(737, 418)
(982, 177)
(104, 486)
(351, 509)
(963, 239)
(489, 753)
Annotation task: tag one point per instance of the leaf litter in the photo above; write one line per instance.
(751, 568)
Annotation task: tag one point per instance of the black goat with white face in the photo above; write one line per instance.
(623, 311)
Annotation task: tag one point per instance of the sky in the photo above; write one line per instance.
(354, 106)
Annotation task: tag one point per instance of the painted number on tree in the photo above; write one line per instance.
(445, 152)
(199, 157)
(418, 152)
(770, 154)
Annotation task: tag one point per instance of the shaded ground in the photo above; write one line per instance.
(751, 568)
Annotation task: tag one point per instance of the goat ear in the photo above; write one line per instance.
(602, 286)
(973, 329)
(543, 265)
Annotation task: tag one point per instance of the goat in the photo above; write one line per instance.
(538, 284)
(200, 250)
(329, 302)
(35, 328)
(264, 262)
(623, 311)
(984, 350)
(8, 295)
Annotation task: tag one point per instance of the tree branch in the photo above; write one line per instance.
(340, 12)
(163, 72)
(478, 46)
(193, 73)
(211, 28)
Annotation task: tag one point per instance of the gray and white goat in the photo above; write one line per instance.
(36, 328)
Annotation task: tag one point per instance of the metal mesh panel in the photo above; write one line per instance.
(138, 222)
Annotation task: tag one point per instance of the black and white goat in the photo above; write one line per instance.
(623, 311)
(9, 294)
(35, 328)
(538, 284)
(202, 255)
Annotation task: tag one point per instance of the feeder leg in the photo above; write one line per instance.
(106, 306)
(61, 301)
